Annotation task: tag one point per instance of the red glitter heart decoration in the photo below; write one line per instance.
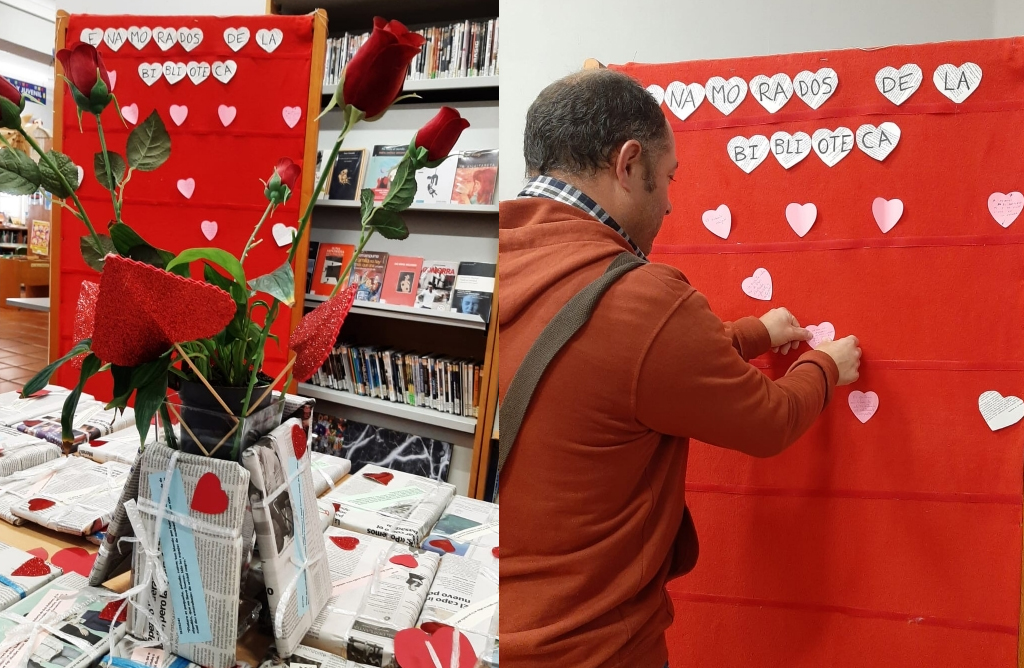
(442, 544)
(318, 331)
(111, 609)
(348, 543)
(142, 310)
(85, 316)
(40, 504)
(97, 443)
(33, 568)
(494, 551)
(384, 477)
(74, 560)
(406, 560)
(209, 497)
(411, 648)
(298, 441)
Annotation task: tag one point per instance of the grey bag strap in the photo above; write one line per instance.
(555, 335)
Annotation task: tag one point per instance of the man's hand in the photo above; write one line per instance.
(846, 353)
(785, 331)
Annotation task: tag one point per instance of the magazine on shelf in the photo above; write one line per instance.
(368, 275)
(330, 262)
(347, 175)
(400, 280)
(382, 167)
(434, 184)
(474, 289)
(437, 279)
(77, 497)
(476, 177)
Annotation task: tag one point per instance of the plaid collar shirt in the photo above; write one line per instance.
(560, 191)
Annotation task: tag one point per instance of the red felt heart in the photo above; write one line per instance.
(411, 648)
(40, 504)
(337, 507)
(39, 552)
(97, 443)
(85, 315)
(345, 542)
(384, 477)
(406, 560)
(33, 568)
(142, 310)
(494, 551)
(209, 497)
(39, 393)
(298, 441)
(432, 627)
(111, 609)
(442, 544)
(74, 560)
(317, 333)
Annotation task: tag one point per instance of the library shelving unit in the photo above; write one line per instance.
(437, 232)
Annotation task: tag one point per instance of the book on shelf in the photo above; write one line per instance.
(368, 275)
(347, 175)
(474, 289)
(381, 170)
(437, 278)
(434, 184)
(476, 177)
(314, 247)
(330, 261)
(400, 280)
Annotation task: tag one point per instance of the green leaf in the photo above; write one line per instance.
(117, 168)
(122, 385)
(402, 190)
(18, 174)
(279, 284)
(149, 145)
(237, 292)
(50, 178)
(389, 224)
(90, 365)
(365, 203)
(221, 258)
(40, 380)
(148, 400)
(130, 244)
(94, 255)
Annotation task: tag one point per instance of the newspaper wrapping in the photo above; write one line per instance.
(21, 574)
(64, 623)
(17, 487)
(298, 407)
(78, 497)
(304, 657)
(114, 554)
(291, 543)
(186, 566)
(91, 422)
(391, 504)
(325, 514)
(378, 588)
(328, 471)
(14, 409)
(464, 595)
(465, 523)
(120, 446)
(132, 652)
(20, 451)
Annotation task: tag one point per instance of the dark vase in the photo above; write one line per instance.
(207, 421)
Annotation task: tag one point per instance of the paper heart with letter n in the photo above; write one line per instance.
(415, 648)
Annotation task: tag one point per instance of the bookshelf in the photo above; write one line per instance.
(449, 232)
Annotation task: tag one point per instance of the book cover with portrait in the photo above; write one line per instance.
(436, 281)
(345, 179)
(476, 177)
(381, 170)
(368, 275)
(400, 280)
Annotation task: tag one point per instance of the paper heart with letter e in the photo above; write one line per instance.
(863, 404)
(887, 212)
(801, 217)
(1005, 208)
(415, 648)
(758, 286)
(998, 411)
(317, 332)
(820, 334)
(657, 92)
(209, 496)
(832, 145)
(898, 85)
(141, 311)
(718, 221)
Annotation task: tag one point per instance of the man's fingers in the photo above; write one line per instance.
(801, 334)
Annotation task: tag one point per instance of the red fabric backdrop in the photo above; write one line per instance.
(226, 163)
(896, 542)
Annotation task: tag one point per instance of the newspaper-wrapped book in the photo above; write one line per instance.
(465, 523)
(392, 504)
(21, 574)
(325, 513)
(130, 652)
(91, 422)
(20, 451)
(186, 568)
(64, 623)
(378, 588)
(303, 657)
(328, 470)
(120, 446)
(114, 555)
(17, 487)
(291, 543)
(50, 399)
(77, 497)
(464, 595)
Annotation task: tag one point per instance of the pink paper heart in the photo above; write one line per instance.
(291, 115)
(1005, 208)
(718, 221)
(863, 404)
(130, 113)
(821, 333)
(209, 228)
(186, 187)
(758, 286)
(887, 212)
(113, 79)
(227, 114)
(179, 113)
(801, 217)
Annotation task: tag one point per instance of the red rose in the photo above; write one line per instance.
(11, 105)
(82, 65)
(376, 73)
(9, 92)
(288, 171)
(440, 133)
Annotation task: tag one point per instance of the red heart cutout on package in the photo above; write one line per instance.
(209, 496)
(39, 552)
(110, 609)
(432, 627)
(494, 551)
(33, 568)
(97, 444)
(74, 560)
(317, 333)
(383, 477)
(345, 542)
(39, 393)
(40, 504)
(298, 441)
(141, 311)
(443, 544)
(337, 506)
(406, 560)
(411, 648)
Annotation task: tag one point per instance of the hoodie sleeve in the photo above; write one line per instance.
(694, 381)
(749, 337)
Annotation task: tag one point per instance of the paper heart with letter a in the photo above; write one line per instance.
(141, 311)
(415, 648)
(209, 496)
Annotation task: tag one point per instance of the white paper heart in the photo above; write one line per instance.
(759, 285)
(657, 92)
(226, 114)
(718, 221)
(999, 411)
(81, 175)
(179, 113)
(209, 229)
(150, 73)
(139, 37)
(863, 404)
(726, 95)
(174, 72)
(269, 39)
(115, 38)
(165, 38)
(878, 142)
(957, 83)
(198, 72)
(224, 71)
(772, 93)
(826, 331)
(236, 38)
(801, 217)
(112, 75)
(832, 145)
(682, 99)
(1005, 208)
(283, 234)
(187, 187)
(291, 115)
(816, 87)
(93, 36)
(897, 85)
(748, 153)
(189, 38)
(887, 212)
(790, 149)
(130, 113)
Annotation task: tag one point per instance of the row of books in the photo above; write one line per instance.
(464, 49)
(429, 381)
(469, 177)
(439, 285)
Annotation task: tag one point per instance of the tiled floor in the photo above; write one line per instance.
(23, 338)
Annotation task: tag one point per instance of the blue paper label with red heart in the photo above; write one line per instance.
(299, 501)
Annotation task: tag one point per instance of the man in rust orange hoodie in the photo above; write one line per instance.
(593, 512)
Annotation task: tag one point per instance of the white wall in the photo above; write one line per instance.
(543, 40)
(154, 7)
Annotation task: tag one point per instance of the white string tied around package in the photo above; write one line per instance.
(30, 632)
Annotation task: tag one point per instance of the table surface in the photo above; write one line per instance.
(30, 303)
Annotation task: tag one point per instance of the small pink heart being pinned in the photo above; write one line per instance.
(801, 217)
(186, 187)
(209, 228)
(821, 333)
(718, 221)
(887, 212)
(291, 115)
(227, 114)
(863, 404)
(130, 113)
(758, 286)
(1005, 208)
(179, 113)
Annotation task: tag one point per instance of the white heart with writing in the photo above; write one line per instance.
(816, 87)
(165, 37)
(139, 37)
(236, 38)
(718, 221)
(179, 113)
(92, 36)
(198, 72)
(999, 411)
(657, 92)
(772, 93)
(887, 212)
(801, 217)
(897, 85)
(189, 38)
(878, 142)
(283, 234)
(725, 95)
(826, 331)
(832, 145)
(150, 72)
(115, 38)
(863, 404)
(130, 113)
(748, 153)
(683, 99)
(790, 149)
(957, 83)
(174, 72)
(759, 285)
(269, 39)
(224, 71)
(1005, 208)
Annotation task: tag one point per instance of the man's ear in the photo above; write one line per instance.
(628, 164)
